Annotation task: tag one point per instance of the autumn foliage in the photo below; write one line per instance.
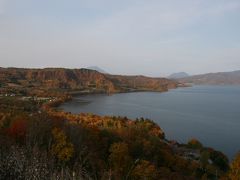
(235, 168)
(195, 144)
(52, 144)
(18, 128)
(145, 170)
(62, 149)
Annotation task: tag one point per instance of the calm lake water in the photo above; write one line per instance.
(208, 113)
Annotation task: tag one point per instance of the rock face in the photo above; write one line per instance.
(221, 78)
(81, 79)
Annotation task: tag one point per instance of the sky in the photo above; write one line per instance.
(148, 37)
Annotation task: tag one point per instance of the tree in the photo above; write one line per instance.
(219, 159)
(204, 158)
(119, 159)
(144, 170)
(194, 144)
(18, 128)
(234, 172)
(62, 149)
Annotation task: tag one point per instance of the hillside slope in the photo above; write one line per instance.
(79, 80)
(221, 78)
(39, 142)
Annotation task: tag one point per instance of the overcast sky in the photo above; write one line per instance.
(150, 37)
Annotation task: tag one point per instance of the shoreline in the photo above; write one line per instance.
(103, 111)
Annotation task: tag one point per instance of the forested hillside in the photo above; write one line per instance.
(78, 80)
(39, 142)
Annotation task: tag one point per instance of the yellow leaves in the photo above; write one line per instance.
(234, 173)
(119, 159)
(119, 154)
(62, 149)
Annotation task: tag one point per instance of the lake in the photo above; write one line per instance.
(209, 113)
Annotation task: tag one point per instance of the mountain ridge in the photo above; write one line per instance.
(218, 78)
(96, 68)
(80, 80)
(178, 75)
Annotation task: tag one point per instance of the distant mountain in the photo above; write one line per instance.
(220, 78)
(178, 75)
(96, 68)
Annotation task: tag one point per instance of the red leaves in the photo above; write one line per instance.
(18, 128)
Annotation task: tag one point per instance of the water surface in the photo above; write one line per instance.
(208, 113)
